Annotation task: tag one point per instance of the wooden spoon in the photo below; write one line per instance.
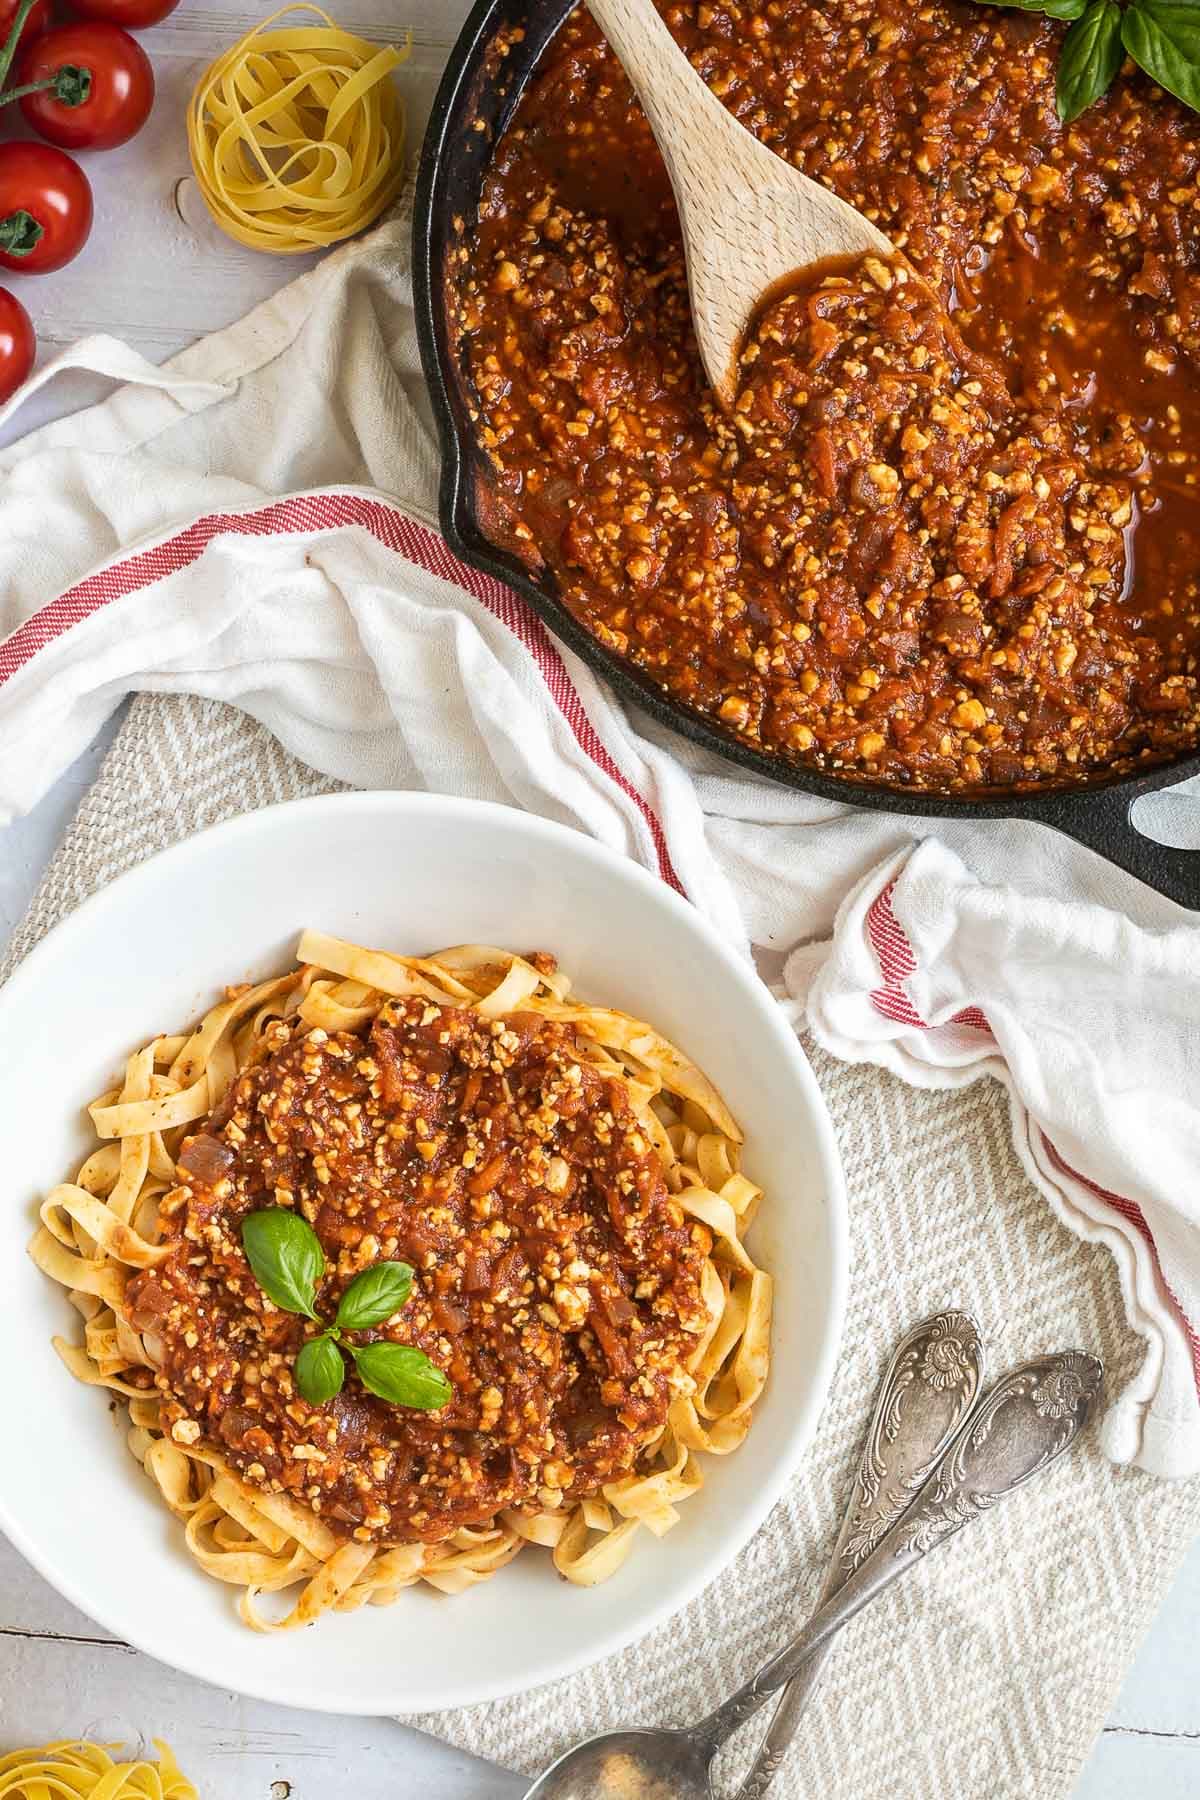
(750, 221)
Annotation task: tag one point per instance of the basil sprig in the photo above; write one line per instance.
(374, 1296)
(1089, 59)
(287, 1261)
(401, 1374)
(285, 1257)
(1162, 37)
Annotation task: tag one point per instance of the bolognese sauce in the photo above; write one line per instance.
(947, 538)
(557, 1281)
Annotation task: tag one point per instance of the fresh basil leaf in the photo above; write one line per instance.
(320, 1370)
(374, 1295)
(1053, 9)
(1089, 59)
(401, 1375)
(286, 1257)
(1163, 38)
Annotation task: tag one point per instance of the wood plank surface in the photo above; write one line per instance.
(62, 1675)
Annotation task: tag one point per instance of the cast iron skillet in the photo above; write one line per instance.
(481, 85)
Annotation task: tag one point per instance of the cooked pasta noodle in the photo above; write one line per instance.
(102, 1230)
(79, 1771)
(297, 135)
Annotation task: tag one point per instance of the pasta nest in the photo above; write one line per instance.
(87, 1772)
(297, 134)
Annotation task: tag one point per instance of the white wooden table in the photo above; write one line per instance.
(159, 275)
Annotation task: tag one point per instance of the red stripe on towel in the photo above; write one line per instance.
(1130, 1211)
(897, 964)
(325, 512)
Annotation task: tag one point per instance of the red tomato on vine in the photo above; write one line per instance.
(134, 15)
(97, 86)
(45, 207)
(17, 344)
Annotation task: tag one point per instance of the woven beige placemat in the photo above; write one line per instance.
(987, 1672)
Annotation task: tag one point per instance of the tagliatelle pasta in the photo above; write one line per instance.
(297, 134)
(80, 1771)
(566, 1186)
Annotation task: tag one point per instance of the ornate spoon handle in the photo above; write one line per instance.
(928, 1389)
(1025, 1422)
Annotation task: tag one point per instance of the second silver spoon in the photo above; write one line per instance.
(929, 1387)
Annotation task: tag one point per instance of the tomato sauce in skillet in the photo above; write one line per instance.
(945, 546)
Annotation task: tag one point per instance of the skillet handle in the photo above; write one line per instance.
(1102, 821)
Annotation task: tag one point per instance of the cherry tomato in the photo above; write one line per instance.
(134, 15)
(17, 344)
(37, 22)
(45, 207)
(119, 86)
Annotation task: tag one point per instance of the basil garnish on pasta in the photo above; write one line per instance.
(285, 1257)
(1163, 37)
(287, 1261)
(1089, 59)
(374, 1296)
(320, 1370)
(401, 1375)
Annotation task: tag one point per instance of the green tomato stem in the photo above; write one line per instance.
(71, 84)
(19, 93)
(20, 233)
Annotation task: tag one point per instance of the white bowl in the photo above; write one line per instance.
(405, 872)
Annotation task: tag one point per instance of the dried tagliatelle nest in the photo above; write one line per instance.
(297, 134)
(88, 1771)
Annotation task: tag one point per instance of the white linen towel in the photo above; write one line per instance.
(252, 522)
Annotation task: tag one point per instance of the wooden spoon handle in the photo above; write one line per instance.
(749, 219)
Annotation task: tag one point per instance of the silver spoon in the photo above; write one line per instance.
(1024, 1423)
(928, 1388)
